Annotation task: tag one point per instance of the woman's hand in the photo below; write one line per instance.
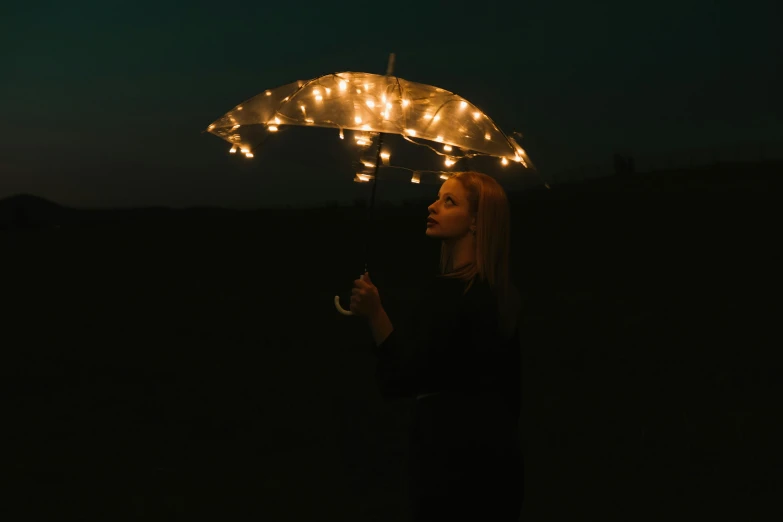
(365, 300)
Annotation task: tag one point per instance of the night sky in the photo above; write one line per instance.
(102, 104)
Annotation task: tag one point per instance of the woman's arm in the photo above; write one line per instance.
(381, 327)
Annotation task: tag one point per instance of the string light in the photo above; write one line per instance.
(248, 154)
(415, 178)
(432, 110)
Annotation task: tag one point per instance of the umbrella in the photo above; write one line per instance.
(371, 105)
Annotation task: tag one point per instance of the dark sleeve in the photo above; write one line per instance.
(442, 346)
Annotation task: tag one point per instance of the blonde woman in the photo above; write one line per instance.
(460, 358)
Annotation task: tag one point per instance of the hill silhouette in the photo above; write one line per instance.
(168, 355)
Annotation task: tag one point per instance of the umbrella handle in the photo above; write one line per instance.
(337, 302)
(340, 308)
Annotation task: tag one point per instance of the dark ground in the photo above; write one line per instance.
(189, 364)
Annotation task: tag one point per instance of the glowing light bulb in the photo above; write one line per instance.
(427, 116)
(239, 108)
(316, 91)
(268, 93)
(248, 154)
(439, 138)
(358, 91)
(235, 127)
(444, 176)
(383, 98)
(277, 120)
(233, 150)
(504, 161)
(343, 85)
(415, 178)
(385, 157)
(436, 118)
(449, 162)
(388, 104)
(328, 90)
(368, 164)
(244, 150)
(476, 115)
(371, 104)
(302, 107)
(447, 148)
(411, 132)
(342, 136)
(405, 103)
(357, 119)
(273, 128)
(211, 127)
(366, 127)
(487, 136)
(385, 114)
(309, 120)
(319, 98)
(286, 98)
(366, 87)
(361, 142)
(462, 104)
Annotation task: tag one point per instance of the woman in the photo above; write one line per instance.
(460, 358)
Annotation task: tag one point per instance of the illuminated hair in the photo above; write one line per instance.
(487, 201)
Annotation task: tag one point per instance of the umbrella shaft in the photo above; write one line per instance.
(368, 236)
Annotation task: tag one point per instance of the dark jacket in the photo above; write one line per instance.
(464, 439)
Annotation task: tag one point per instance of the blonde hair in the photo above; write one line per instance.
(488, 202)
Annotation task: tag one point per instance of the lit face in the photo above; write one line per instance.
(451, 211)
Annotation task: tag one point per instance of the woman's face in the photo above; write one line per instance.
(451, 211)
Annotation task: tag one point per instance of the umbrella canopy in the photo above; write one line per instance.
(372, 103)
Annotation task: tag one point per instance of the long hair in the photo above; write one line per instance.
(489, 203)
